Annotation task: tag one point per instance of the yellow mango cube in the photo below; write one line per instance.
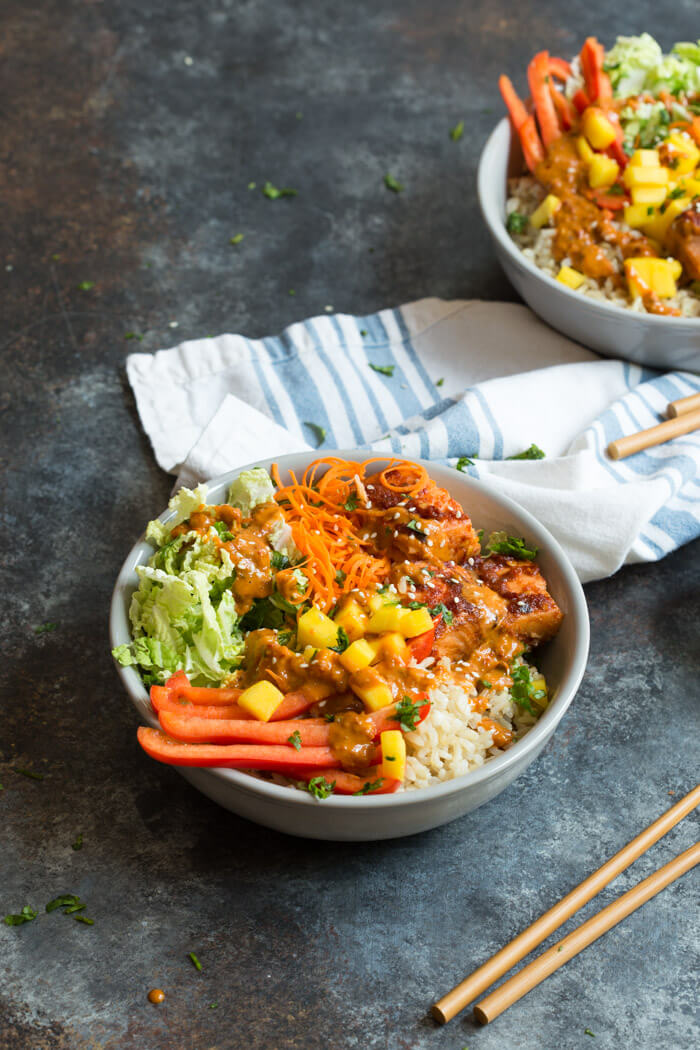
(415, 622)
(393, 647)
(648, 194)
(602, 171)
(570, 277)
(676, 268)
(353, 619)
(539, 685)
(646, 274)
(387, 618)
(597, 128)
(638, 215)
(684, 154)
(371, 689)
(645, 176)
(358, 654)
(546, 211)
(645, 158)
(393, 764)
(584, 150)
(261, 700)
(316, 629)
(658, 224)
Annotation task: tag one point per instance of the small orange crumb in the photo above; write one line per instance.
(156, 995)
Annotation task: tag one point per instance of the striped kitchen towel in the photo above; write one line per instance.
(441, 381)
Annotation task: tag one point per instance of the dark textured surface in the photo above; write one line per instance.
(125, 165)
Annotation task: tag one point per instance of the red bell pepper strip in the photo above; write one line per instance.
(537, 78)
(611, 201)
(566, 111)
(274, 757)
(580, 100)
(422, 645)
(559, 67)
(524, 124)
(617, 152)
(178, 688)
(350, 784)
(312, 732)
(188, 710)
(598, 86)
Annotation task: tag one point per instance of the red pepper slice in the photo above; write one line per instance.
(350, 784)
(274, 757)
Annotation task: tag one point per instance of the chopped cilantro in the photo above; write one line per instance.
(676, 193)
(78, 844)
(292, 291)
(462, 462)
(587, 1031)
(616, 190)
(343, 641)
(384, 370)
(285, 637)
(363, 331)
(457, 131)
(320, 788)
(516, 222)
(295, 740)
(85, 286)
(273, 193)
(650, 209)
(368, 786)
(45, 628)
(319, 432)
(262, 613)
(213, 1006)
(66, 900)
(533, 452)
(194, 960)
(407, 714)
(523, 689)
(279, 560)
(501, 543)
(133, 335)
(84, 919)
(252, 185)
(350, 503)
(26, 915)
(393, 184)
(28, 773)
(414, 526)
(340, 576)
(222, 531)
(328, 716)
(439, 382)
(237, 238)
(442, 610)
(480, 536)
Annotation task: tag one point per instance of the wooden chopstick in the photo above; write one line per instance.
(588, 932)
(683, 405)
(627, 446)
(478, 981)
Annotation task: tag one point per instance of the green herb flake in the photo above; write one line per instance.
(28, 773)
(213, 1006)
(350, 504)
(252, 185)
(439, 382)
(45, 628)
(363, 332)
(368, 786)
(320, 788)
(343, 641)
(393, 184)
(501, 543)
(133, 335)
(616, 190)
(517, 223)
(66, 900)
(415, 526)
(278, 560)
(676, 193)
(295, 740)
(587, 1031)
(442, 610)
(272, 193)
(457, 131)
(319, 432)
(26, 915)
(84, 919)
(340, 576)
(237, 238)
(85, 286)
(292, 291)
(462, 462)
(533, 452)
(523, 690)
(78, 844)
(194, 960)
(650, 209)
(407, 714)
(384, 370)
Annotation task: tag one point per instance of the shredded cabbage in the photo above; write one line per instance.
(637, 64)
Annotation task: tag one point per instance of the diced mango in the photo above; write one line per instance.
(646, 274)
(684, 154)
(387, 618)
(371, 689)
(358, 654)
(648, 194)
(393, 647)
(317, 629)
(393, 764)
(676, 268)
(375, 645)
(570, 277)
(657, 225)
(584, 150)
(353, 619)
(539, 685)
(638, 215)
(602, 171)
(645, 176)
(261, 700)
(645, 158)
(597, 128)
(545, 212)
(414, 622)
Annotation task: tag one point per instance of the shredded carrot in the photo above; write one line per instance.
(322, 508)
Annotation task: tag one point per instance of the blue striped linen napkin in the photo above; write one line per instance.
(450, 379)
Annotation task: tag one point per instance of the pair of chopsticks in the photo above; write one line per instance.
(683, 416)
(588, 932)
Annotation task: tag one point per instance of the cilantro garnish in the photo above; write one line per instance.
(439, 382)
(342, 642)
(44, 628)
(675, 194)
(587, 1031)
(442, 610)
(340, 576)
(328, 716)
(319, 432)
(462, 462)
(407, 714)
(457, 131)
(222, 531)
(66, 900)
(237, 238)
(26, 915)
(368, 786)
(194, 960)
(85, 286)
(28, 773)
(414, 526)
(84, 918)
(393, 184)
(516, 222)
(384, 370)
(502, 543)
(133, 335)
(279, 560)
(273, 193)
(350, 504)
(533, 452)
(363, 331)
(523, 689)
(320, 788)
(78, 844)
(295, 740)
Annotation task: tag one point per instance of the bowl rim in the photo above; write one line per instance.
(496, 224)
(119, 634)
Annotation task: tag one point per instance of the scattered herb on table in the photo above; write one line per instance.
(320, 788)
(66, 900)
(272, 193)
(133, 335)
(213, 1006)
(587, 1031)
(194, 960)
(28, 773)
(407, 714)
(84, 919)
(533, 452)
(517, 547)
(439, 382)
(516, 222)
(363, 331)
(26, 915)
(457, 131)
(45, 628)
(295, 740)
(384, 370)
(292, 291)
(319, 432)
(252, 185)
(78, 844)
(393, 184)
(237, 238)
(85, 286)
(368, 786)
(462, 462)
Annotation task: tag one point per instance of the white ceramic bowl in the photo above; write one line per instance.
(388, 816)
(661, 342)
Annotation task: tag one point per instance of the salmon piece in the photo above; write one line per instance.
(532, 614)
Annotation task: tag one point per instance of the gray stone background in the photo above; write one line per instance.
(126, 165)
